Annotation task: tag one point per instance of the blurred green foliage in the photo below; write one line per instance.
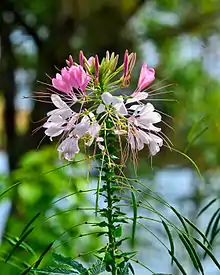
(53, 189)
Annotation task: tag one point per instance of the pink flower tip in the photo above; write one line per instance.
(125, 64)
(70, 60)
(147, 75)
(81, 58)
(96, 68)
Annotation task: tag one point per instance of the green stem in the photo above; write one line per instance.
(111, 228)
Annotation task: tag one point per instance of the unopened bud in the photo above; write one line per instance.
(96, 68)
(125, 64)
(81, 58)
(70, 60)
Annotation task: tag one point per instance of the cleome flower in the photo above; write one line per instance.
(72, 80)
(88, 89)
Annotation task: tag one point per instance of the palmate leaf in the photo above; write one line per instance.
(97, 268)
(62, 260)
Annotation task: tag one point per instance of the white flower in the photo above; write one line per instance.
(116, 102)
(69, 148)
(59, 118)
(141, 127)
(154, 144)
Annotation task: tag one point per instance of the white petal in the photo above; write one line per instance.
(120, 132)
(151, 127)
(156, 139)
(138, 97)
(80, 129)
(134, 107)
(148, 108)
(58, 102)
(155, 144)
(94, 129)
(99, 139)
(107, 98)
(54, 131)
(149, 118)
(69, 148)
(101, 147)
(131, 141)
(154, 148)
(120, 107)
(100, 109)
(116, 100)
(56, 119)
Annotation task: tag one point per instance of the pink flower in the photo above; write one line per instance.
(74, 77)
(147, 75)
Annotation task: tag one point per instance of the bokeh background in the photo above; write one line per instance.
(181, 40)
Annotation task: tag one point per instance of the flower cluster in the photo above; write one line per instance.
(83, 102)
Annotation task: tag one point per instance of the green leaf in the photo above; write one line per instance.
(206, 207)
(19, 243)
(192, 252)
(211, 222)
(215, 226)
(197, 230)
(134, 224)
(54, 270)
(43, 254)
(192, 161)
(118, 232)
(208, 252)
(181, 219)
(131, 268)
(178, 264)
(60, 259)
(30, 222)
(97, 268)
(23, 245)
(125, 270)
(10, 188)
(170, 240)
(195, 138)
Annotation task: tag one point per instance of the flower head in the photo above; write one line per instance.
(133, 118)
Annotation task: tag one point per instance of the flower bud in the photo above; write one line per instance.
(81, 58)
(96, 68)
